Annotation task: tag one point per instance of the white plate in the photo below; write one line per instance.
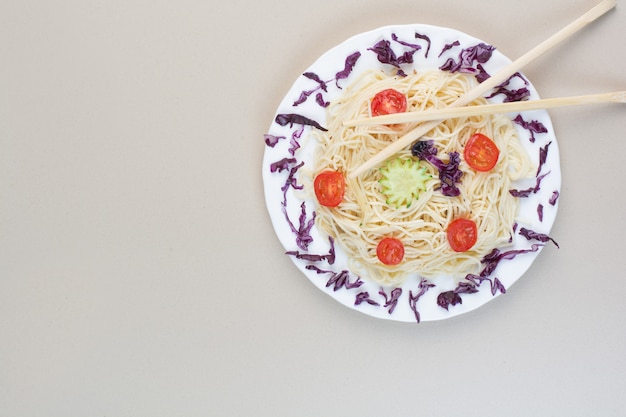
(417, 299)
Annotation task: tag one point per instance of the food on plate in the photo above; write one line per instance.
(435, 209)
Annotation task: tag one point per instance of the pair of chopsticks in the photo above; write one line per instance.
(495, 80)
(452, 112)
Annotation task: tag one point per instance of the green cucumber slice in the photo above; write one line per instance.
(402, 181)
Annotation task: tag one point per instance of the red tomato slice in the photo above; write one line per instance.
(390, 251)
(462, 234)
(329, 188)
(387, 102)
(481, 153)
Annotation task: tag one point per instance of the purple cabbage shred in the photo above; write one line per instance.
(543, 156)
(291, 179)
(496, 285)
(329, 257)
(554, 198)
(412, 46)
(391, 301)
(313, 76)
(271, 140)
(449, 172)
(386, 55)
(337, 280)
(469, 60)
(493, 258)
(322, 85)
(425, 38)
(294, 143)
(423, 287)
(532, 126)
(521, 94)
(447, 47)
(303, 232)
(448, 298)
(282, 165)
(531, 190)
(350, 62)
(541, 237)
(364, 297)
(319, 99)
(293, 118)
(452, 298)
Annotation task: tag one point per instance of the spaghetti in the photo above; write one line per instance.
(364, 218)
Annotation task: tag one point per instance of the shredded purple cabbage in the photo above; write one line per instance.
(447, 47)
(554, 198)
(412, 46)
(543, 156)
(532, 126)
(541, 237)
(386, 55)
(337, 280)
(493, 258)
(349, 64)
(448, 298)
(303, 231)
(521, 94)
(449, 172)
(472, 281)
(532, 190)
(364, 297)
(391, 301)
(293, 118)
(452, 298)
(313, 76)
(294, 143)
(271, 140)
(480, 53)
(423, 287)
(319, 99)
(495, 284)
(329, 257)
(322, 85)
(425, 38)
(282, 165)
(469, 60)
(291, 178)
(540, 212)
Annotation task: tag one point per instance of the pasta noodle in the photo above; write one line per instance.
(363, 218)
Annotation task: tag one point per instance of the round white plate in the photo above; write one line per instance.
(419, 47)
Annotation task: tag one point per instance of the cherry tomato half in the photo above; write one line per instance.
(481, 153)
(329, 188)
(462, 234)
(390, 251)
(387, 102)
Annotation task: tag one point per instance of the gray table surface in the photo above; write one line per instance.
(139, 271)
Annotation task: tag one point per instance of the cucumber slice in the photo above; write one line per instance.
(402, 180)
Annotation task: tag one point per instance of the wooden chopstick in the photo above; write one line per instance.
(454, 112)
(496, 79)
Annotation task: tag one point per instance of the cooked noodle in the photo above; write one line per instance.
(363, 218)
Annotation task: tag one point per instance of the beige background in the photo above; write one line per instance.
(140, 274)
